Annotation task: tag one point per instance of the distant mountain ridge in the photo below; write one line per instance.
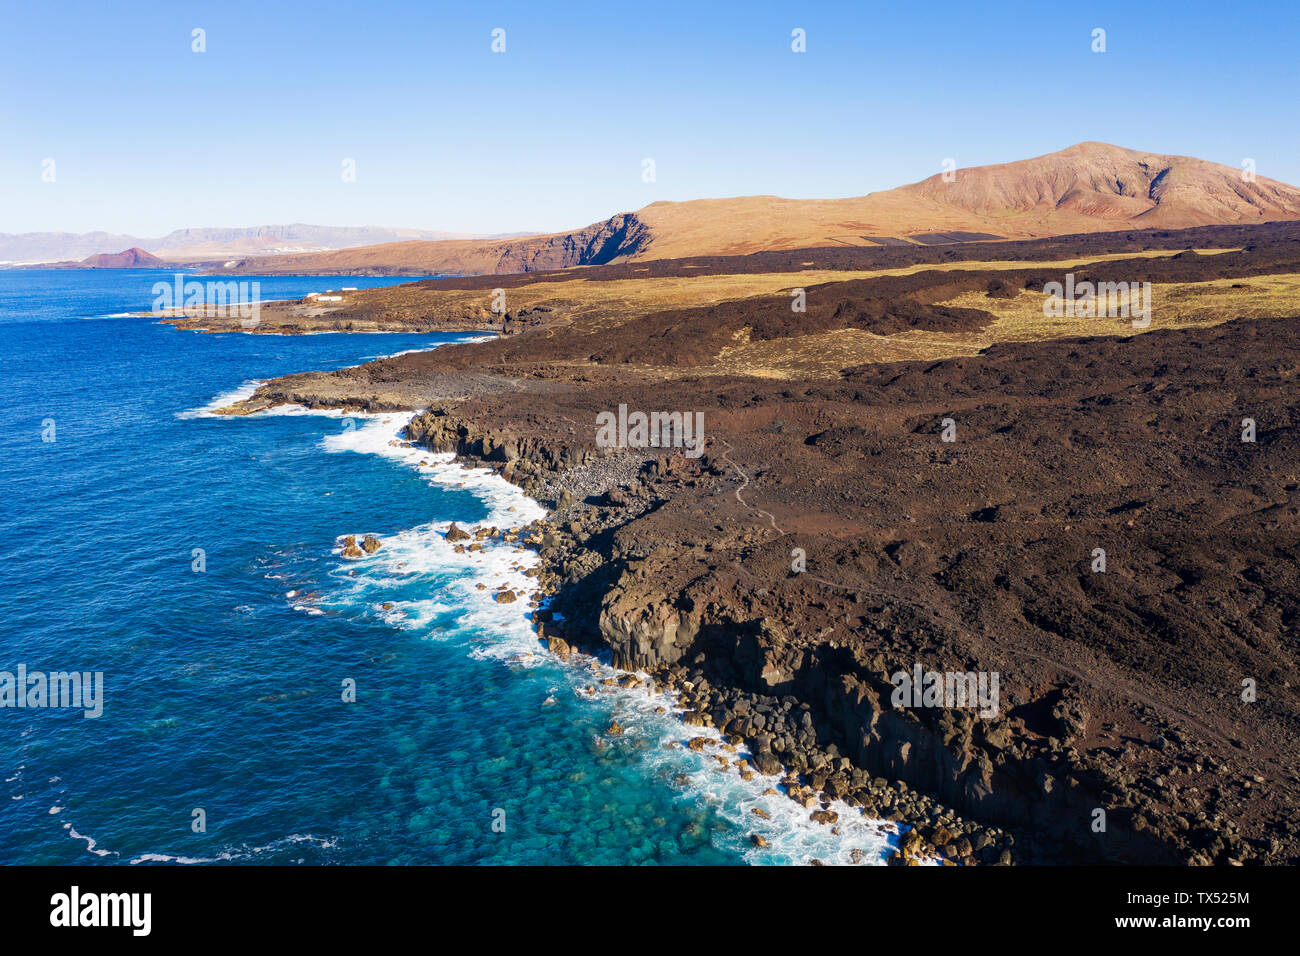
(211, 243)
(1086, 188)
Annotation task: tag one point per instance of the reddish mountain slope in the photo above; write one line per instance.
(1090, 187)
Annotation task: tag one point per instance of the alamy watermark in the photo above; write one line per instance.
(229, 299)
(952, 689)
(127, 910)
(626, 429)
(79, 690)
(1089, 300)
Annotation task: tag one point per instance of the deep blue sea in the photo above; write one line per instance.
(194, 561)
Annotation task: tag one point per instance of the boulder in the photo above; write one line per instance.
(350, 549)
(370, 544)
(456, 534)
(766, 762)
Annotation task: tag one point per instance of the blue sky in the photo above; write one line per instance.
(148, 136)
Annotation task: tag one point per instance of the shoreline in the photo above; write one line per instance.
(856, 833)
(667, 695)
(927, 827)
(965, 556)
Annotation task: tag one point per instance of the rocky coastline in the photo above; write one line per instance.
(1098, 531)
(787, 739)
(819, 720)
(968, 790)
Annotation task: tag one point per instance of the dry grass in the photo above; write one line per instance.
(823, 355)
(1173, 306)
(570, 296)
(598, 306)
(605, 304)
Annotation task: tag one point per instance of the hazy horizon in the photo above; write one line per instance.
(147, 136)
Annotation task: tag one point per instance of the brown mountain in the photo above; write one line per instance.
(134, 258)
(1089, 187)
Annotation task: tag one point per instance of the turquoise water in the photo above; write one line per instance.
(223, 688)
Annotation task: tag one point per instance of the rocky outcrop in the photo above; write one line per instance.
(617, 238)
(644, 633)
(521, 459)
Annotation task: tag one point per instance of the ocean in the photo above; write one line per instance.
(266, 700)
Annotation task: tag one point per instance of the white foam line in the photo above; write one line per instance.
(91, 844)
(792, 836)
(243, 853)
(244, 391)
(383, 434)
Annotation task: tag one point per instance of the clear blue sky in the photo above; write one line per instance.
(148, 136)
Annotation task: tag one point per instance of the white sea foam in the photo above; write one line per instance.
(92, 845)
(228, 855)
(383, 435)
(209, 410)
(243, 853)
(427, 348)
(504, 632)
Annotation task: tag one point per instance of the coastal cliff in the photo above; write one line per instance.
(1071, 507)
(976, 790)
